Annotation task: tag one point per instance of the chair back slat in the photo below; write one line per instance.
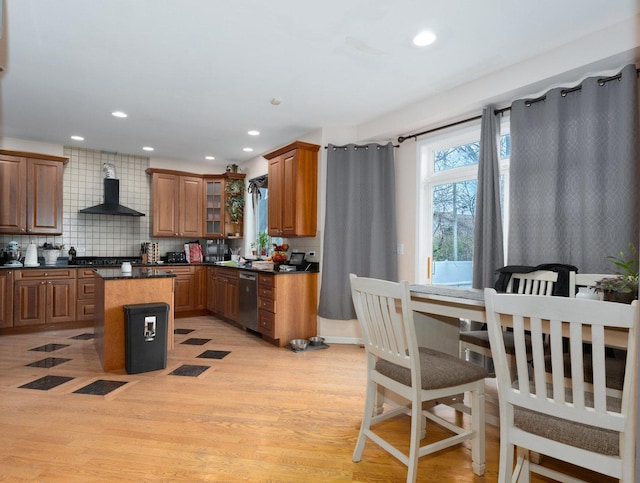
(540, 282)
(383, 309)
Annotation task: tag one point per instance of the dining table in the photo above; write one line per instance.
(438, 310)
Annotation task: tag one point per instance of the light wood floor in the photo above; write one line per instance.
(262, 413)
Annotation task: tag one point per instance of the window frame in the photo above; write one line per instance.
(427, 178)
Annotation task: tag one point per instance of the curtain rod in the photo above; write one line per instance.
(528, 102)
(344, 146)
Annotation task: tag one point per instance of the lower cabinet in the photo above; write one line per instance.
(226, 293)
(85, 302)
(6, 298)
(287, 306)
(190, 288)
(211, 289)
(44, 296)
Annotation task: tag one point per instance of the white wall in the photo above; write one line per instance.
(605, 52)
(31, 146)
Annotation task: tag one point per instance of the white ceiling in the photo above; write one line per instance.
(195, 75)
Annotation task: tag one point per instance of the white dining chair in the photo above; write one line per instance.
(564, 418)
(395, 363)
(540, 282)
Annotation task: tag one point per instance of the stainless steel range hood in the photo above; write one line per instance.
(111, 205)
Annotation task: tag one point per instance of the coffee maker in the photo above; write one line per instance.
(12, 255)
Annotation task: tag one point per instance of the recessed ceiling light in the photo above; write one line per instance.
(119, 114)
(275, 101)
(424, 38)
(253, 133)
(210, 158)
(248, 150)
(148, 148)
(77, 138)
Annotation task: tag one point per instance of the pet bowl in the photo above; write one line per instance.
(316, 340)
(298, 344)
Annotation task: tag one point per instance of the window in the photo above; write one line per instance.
(258, 189)
(448, 165)
(262, 209)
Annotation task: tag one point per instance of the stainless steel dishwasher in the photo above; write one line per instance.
(248, 300)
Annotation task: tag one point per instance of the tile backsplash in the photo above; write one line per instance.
(103, 235)
(116, 236)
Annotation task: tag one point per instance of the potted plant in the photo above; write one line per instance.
(234, 200)
(624, 286)
(263, 242)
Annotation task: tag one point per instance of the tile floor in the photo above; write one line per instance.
(102, 387)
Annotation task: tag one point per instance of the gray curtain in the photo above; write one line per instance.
(488, 251)
(360, 223)
(574, 175)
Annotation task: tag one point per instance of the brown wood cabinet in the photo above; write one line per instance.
(31, 193)
(214, 207)
(217, 223)
(287, 306)
(190, 288)
(85, 301)
(44, 296)
(211, 289)
(6, 298)
(226, 293)
(293, 190)
(177, 204)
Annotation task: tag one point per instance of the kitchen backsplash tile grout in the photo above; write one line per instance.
(103, 235)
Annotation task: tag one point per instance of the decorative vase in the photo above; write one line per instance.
(587, 293)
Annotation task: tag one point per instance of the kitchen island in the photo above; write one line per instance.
(113, 290)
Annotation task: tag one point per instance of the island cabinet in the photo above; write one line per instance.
(177, 204)
(86, 289)
(287, 306)
(45, 296)
(293, 192)
(226, 293)
(31, 193)
(115, 291)
(6, 298)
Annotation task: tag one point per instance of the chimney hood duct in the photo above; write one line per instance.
(111, 205)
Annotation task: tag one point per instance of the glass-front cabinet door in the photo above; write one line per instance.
(214, 208)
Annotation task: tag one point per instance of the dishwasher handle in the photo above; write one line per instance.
(247, 276)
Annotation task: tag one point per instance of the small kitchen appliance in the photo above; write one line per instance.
(216, 251)
(31, 258)
(13, 254)
(176, 257)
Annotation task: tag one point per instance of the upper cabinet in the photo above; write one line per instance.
(224, 205)
(293, 190)
(177, 204)
(188, 205)
(31, 187)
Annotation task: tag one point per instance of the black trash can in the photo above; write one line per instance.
(145, 337)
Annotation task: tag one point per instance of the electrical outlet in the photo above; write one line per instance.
(400, 248)
(311, 254)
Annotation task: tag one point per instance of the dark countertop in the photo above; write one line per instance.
(111, 269)
(136, 273)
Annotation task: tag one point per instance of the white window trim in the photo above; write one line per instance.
(427, 178)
